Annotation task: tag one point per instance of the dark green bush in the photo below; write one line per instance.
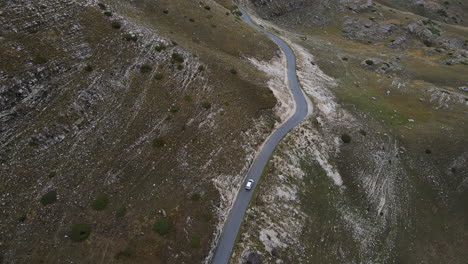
(363, 132)
(158, 76)
(233, 71)
(163, 226)
(88, 68)
(346, 138)
(166, 11)
(108, 13)
(191, 20)
(188, 98)
(158, 142)
(428, 151)
(39, 60)
(79, 232)
(206, 105)
(160, 47)
(345, 58)
(49, 198)
(174, 43)
(145, 68)
(102, 6)
(195, 197)
(122, 211)
(180, 67)
(100, 202)
(369, 62)
(207, 7)
(201, 68)
(116, 24)
(174, 109)
(177, 57)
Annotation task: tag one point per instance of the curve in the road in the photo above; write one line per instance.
(233, 223)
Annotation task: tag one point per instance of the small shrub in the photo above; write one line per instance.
(160, 47)
(233, 71)
(345, 58)
(116, 24)
(166, 11)
(435, 31)
(80, 232)
(174, 109)
(49, 198)
(369, 62)
(195, 197)
(158, 76)
(100, 203)
(201, 68)
(130, 37)
(213, 25)
(39, 60)
(237, 13)
(428, 151)
(187, 98)
(206, 105)
(159, 142)
(174, 43)
(180, 67)
(145, 68)
(363, 132)
(177, 57)
(121, 212)
(126, 252)
(88, 68)
(346, 138)
(195, 241)
(191, 20)
(207, 7)
(163, 226)
(207, 216)
(102, 6)
(108, 13)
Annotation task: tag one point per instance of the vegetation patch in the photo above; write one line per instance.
(88, 68)
(370, 62)
(80, 232)
(108, 13)
(177, 57)
(174, 109)
(346, 138)
(163, 226)
(38, 60)
(116, 24)
(49, 198)
(145, 68)
(160, 47)
(121, 212)
(100, 203)
(102, 6)
(130, 37)
(195, 197)
(159, 142)
(187, 98)
(201, 68)
(126, 252)
(208, 216)
(158, 76)
(206, 105)
(195, 241)
(233, 71)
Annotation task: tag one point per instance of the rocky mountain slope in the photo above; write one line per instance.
(377, 174)
(124, 127)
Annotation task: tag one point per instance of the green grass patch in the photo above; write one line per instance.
(158, 76)
(163, 226)
(195, 241)
(79, 232)
(121, 212)
(346, 138)
(49, 198)
(188, 98)
(100, 203)
(233, 71)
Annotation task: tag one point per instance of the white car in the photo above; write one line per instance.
(249, 184)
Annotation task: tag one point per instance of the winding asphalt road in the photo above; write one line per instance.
(233, 223)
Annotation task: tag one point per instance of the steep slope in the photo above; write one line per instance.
(377, 174)
(117, 118)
